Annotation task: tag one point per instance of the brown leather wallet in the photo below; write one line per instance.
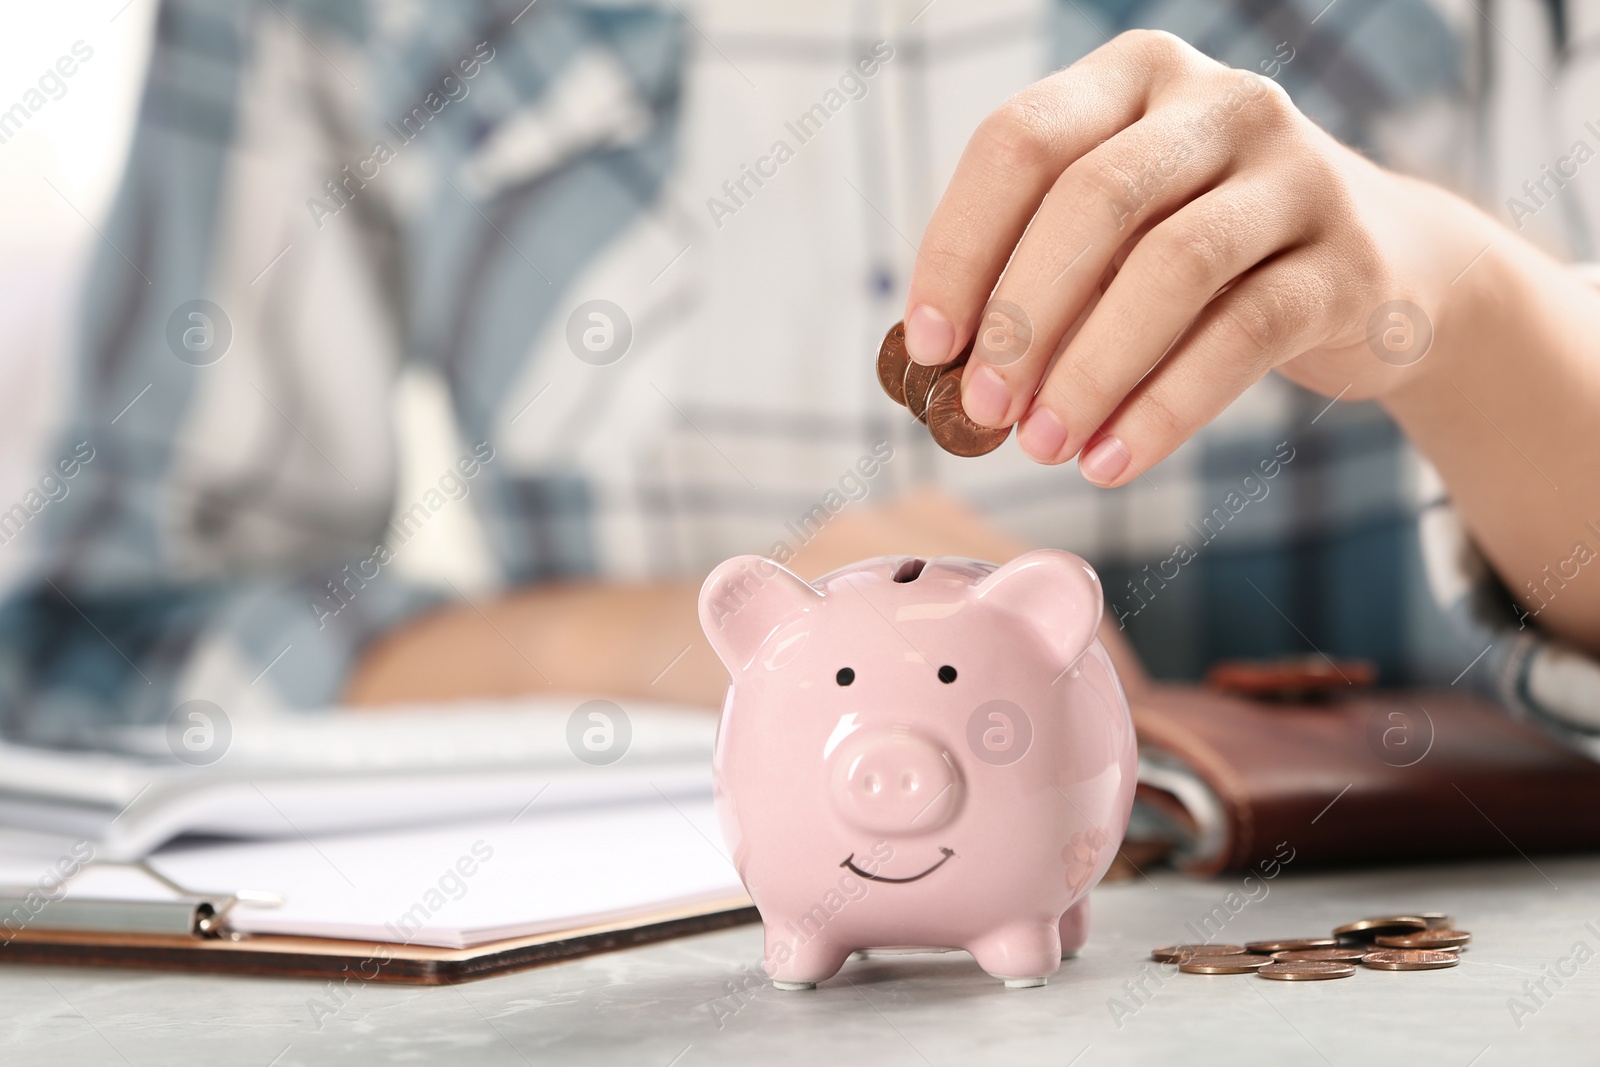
(1382, 776)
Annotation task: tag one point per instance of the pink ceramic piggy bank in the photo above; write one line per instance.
(921, 754)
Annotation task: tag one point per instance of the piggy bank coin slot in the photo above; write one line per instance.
(910, 570)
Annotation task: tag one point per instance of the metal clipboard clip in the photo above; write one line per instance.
(194, 913)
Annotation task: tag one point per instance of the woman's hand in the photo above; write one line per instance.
(1137, 239)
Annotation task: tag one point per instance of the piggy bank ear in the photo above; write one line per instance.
(744, 599)
(1056, 591)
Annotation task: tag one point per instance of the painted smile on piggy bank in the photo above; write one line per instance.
(953, 729)
(849, 864)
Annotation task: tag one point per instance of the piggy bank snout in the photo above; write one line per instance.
(895, 783)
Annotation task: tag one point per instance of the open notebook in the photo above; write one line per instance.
(289, 776)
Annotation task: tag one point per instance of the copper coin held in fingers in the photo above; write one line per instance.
(1409, 959)
(919, 381)
(1290, 944)
(1335, 955)
(1235, 963)
(1367, 929)
(1306, 970)
(917, 385)
(1178, 953)
(948, 423)
(1431, 938)
(892, 363)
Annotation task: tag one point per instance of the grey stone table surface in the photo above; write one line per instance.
(1527, 991)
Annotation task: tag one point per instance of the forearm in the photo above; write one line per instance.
(644, 641)
(1507, 407)
(626, 641)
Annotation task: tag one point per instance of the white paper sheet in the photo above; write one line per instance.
(462, 885)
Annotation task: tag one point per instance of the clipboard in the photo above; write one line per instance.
(428, 905)
(218, 952)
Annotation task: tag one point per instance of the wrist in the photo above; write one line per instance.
(1475, 282)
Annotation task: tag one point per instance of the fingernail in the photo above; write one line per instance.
(1041, 435)
(1104, 460)
(986, 397)
(930, 338)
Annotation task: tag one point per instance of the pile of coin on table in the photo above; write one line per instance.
(933, 395)
(1426, 941)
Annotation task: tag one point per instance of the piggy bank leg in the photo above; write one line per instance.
(1074, 928)
(803, 965)
(1023, 953)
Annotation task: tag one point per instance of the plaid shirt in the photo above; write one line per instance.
(321, 195)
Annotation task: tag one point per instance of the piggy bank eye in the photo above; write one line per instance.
(845, 676)
(947, 674)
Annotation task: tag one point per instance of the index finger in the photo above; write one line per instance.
(1013, 159)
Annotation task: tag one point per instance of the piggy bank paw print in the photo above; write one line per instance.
(1081, 856)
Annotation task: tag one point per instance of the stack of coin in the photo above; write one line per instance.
(1409, 959)
(1381, 926)
(1425, 941)
(1179, 953)
(1291, 944)
(1233, 963)
(1431, 939)
(933, 396)
(1422, 941)
(1307, 970)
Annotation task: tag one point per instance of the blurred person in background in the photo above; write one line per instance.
(647, 252)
